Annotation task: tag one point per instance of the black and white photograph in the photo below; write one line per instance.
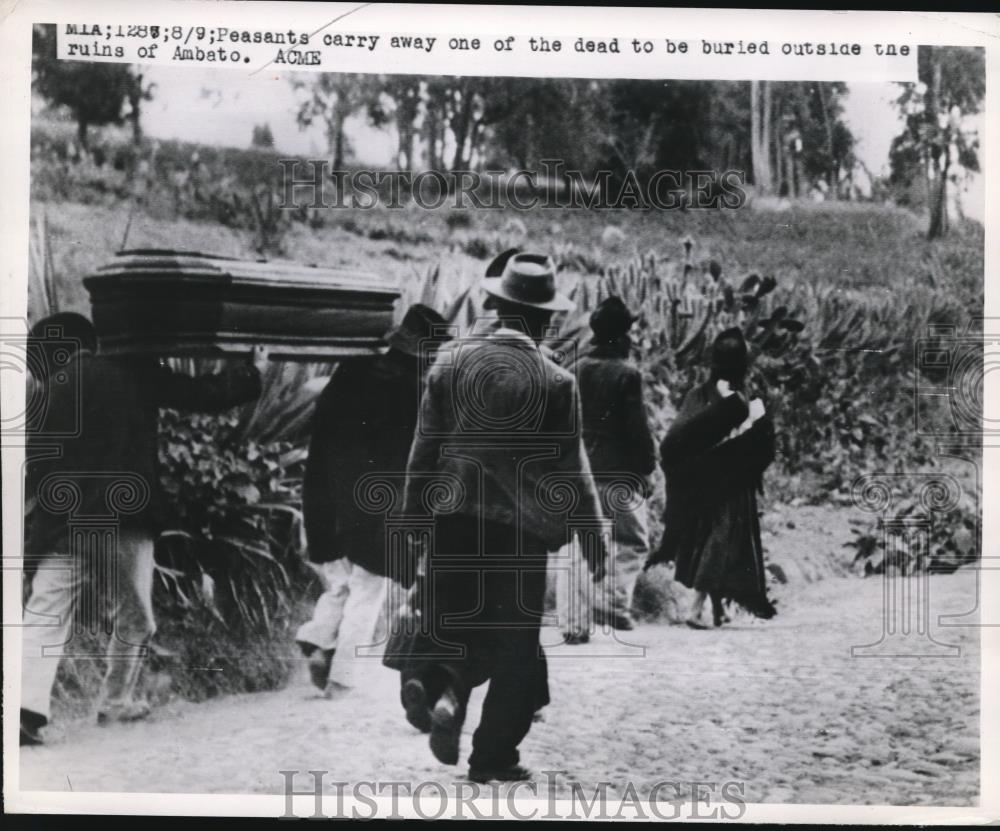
(607, 442)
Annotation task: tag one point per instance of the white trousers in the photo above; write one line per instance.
(349, 617)
(120, 573)
(576, 595)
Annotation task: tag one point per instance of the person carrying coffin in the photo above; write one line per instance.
(363, 424)
(94, 443)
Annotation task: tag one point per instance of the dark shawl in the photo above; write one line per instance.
(712, 530)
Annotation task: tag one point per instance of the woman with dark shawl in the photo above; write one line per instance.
(713, 457)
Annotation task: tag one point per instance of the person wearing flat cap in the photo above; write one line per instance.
(500, 422)
(622, 455)
(364, 423)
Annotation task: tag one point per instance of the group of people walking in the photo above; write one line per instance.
(545, 459)
(504, 460)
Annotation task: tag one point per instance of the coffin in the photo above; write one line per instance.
(164, 302)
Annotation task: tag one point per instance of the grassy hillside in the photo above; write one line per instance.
(855, 250)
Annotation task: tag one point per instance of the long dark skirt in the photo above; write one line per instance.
(722, 554)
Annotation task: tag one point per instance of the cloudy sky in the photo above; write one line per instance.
(222, 106)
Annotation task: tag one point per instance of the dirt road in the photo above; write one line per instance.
(781, 706)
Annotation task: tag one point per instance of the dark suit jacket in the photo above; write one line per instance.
(501, 422)
(99, 427)
(363, 424)
(615, 428)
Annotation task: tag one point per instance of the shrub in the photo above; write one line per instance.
(953, 540)
(230, 564)
(398, 234)
(458, 219)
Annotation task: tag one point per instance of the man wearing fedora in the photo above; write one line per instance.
(503, 420)
(364, 423)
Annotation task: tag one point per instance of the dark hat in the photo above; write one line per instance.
(528, 280)
(499, 262)
(421, 325)
(611, 318)
(730, 354)
(732, 335)
(62, 327)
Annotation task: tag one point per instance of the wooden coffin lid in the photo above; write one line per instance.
(186, 302)
(193, 269)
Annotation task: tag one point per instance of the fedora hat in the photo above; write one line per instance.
(420, 325)
(528, 280)
(499, 262)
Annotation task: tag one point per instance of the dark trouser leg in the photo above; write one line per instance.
(510, 702)
(542, 682)
(501, 637)
(513, 605)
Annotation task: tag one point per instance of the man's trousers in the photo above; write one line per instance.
(487, 593)
(70, 594)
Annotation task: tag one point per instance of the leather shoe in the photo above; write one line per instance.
(319, 662)
(319, 667)
(31, 725)
(415, 703)
(446, 728)
(126, 711)
(514, 773)
(615, 619)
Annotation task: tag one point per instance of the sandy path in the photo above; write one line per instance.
(780, 706)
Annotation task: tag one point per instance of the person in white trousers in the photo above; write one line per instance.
(91, 488)
(362, 429)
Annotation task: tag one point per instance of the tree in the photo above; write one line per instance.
(94, 93)
(760, 135)
(332, 98)
(262, 136)
(951, 85)
(808, 137)
(399, 103)
(549, 118)
(455, 105)
(654, 124)
(136, 93)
